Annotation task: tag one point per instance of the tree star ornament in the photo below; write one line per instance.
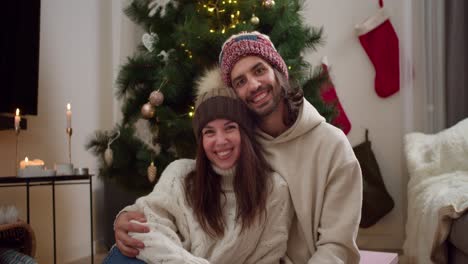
(148, 111)
(156, 98)
(152, 170)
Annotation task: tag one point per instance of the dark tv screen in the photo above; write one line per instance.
(19, 56)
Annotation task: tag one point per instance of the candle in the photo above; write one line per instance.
(17, 119)
(69, 114)
(26, 162)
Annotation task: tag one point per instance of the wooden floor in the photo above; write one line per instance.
(98, 258)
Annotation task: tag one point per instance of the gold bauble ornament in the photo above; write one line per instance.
(152, 172)
(269, 3)
(147, 111)
(254, 20)
(156, 98)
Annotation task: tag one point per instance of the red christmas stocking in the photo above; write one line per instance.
(379, 40)
(329, 97)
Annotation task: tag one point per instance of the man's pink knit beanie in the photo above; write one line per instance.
(248, 44)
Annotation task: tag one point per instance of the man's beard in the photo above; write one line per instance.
(273, 104)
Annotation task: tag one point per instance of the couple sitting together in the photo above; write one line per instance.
(272, 181)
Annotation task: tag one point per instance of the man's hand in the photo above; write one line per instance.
(127, 245)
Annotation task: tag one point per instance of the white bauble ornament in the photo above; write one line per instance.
(108, 156)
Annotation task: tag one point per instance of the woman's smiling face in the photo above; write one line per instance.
(222, 142)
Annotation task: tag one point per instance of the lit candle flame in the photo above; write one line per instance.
(17, 111)
(26, 159)
(68, 106)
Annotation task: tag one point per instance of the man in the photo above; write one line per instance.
(314, 157)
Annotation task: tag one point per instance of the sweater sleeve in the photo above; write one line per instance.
(164, 211)
(272, 244)
(340, 217)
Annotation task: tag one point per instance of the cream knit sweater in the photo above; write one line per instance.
(176, 237)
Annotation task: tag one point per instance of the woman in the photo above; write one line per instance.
(225, 207)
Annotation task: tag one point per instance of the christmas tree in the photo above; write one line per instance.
(183, 39)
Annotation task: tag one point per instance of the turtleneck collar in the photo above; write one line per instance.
(227, 177)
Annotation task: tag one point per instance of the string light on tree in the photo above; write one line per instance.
(222, 19)
(189, 53)
(192, 111)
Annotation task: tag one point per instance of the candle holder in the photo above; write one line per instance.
(17, 132)
(69, 133)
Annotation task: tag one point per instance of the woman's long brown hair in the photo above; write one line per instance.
(203, 187)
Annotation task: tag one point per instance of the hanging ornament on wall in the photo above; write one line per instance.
(269, 3)
(254, 20)
(108, 154)
(156, 98)
(148, 111)
(152, 170)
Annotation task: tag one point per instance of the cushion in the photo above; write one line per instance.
(434, 154)
(8, 256)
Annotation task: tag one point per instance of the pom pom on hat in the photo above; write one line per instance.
(248, 44)
(216, 101)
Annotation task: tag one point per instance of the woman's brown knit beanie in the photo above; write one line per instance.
(215, 100)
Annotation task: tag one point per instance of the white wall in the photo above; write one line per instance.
(387, 119)
(75, 66)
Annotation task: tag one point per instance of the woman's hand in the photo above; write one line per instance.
(122, 226)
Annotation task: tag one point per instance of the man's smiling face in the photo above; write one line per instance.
(253, 79)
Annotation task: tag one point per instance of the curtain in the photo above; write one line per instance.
(456, 86)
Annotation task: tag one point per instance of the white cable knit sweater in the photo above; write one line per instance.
(176, 237)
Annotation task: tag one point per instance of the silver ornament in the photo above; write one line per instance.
(147, 111)
(156, 98)
(108, 156)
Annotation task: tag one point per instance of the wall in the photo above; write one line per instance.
(387, 119)
(76, 67)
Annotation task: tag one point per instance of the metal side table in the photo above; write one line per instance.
(13, 181)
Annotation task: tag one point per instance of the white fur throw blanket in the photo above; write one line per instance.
(437, 191)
